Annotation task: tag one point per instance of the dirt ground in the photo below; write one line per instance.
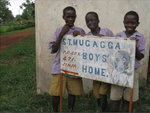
(8, 40)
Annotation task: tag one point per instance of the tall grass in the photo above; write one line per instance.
(18, 84)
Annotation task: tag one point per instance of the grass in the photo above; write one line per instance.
(4, 28)
(15, 31)
(18, 84)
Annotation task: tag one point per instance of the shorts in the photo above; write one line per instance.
(100, 88)
(117, 92)
(74, 86)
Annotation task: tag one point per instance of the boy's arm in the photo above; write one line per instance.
(56, 44)
(138, 54)
(140, 49)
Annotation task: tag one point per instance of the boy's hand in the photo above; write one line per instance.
(99, 35)
(76, 33)
(133, 38)
(64, 30)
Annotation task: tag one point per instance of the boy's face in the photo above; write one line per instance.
(91, 21)
(69, 17)
(130, 23)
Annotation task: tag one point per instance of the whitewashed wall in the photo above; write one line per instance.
(111, 13)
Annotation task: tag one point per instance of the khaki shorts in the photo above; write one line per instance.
(74, 86)
(118, 92)
(100, 88)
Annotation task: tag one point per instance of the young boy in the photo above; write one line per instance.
(100, 89)
(131, 21)
(73, 84)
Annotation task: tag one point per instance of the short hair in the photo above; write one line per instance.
(68, 8)
(93, 13)
(132, 13)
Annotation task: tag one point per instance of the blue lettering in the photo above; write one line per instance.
(84, 55)
(75, 42)
(95, 44)
(97, 55)
(90, 70)
(69, 41)
(110, 45)
(64, 41)
(104, 59)
(117, 46)
(97, 71)
(84, 69)
(81, 42)
(103, 72)
(91, 56)
(87, 43)
(102, 44)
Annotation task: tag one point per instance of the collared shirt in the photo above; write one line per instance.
(140, 45)
(56, 62)
(104, 31)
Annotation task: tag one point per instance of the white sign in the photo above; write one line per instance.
(106, 59)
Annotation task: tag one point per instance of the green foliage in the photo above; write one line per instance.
(27, 19)
(4, 29)
(20, 30)
(5, 13)
(17, 25)
(29, 11)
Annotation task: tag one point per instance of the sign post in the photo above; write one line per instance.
(131, 95)
(61, 77)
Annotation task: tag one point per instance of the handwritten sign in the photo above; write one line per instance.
(106, 59)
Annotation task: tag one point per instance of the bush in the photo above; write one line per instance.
(17, 25)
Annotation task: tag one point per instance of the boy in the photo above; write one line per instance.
(131, 21)
(73, 84)
(100, 89)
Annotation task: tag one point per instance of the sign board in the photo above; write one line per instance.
(108, 59)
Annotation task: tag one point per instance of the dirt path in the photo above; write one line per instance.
(8, 40)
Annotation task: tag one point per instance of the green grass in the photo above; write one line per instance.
(15, 31)
(4, 28)
(18, 84)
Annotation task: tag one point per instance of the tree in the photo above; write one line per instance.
(28, 10)
(18, 18)
(5, 13)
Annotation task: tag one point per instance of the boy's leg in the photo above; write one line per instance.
(55, 103)
(98, 101)
(71, 101)
(115, 105)
(103, 102)
(103, 91)
(100, 91)
(126, 97)
(96, 85)
(75, 87)
(125, 106)
(55, 90)
(116, 94)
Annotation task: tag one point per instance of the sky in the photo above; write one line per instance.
(14, 6)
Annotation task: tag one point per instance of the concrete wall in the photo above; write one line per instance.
(111, 13)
